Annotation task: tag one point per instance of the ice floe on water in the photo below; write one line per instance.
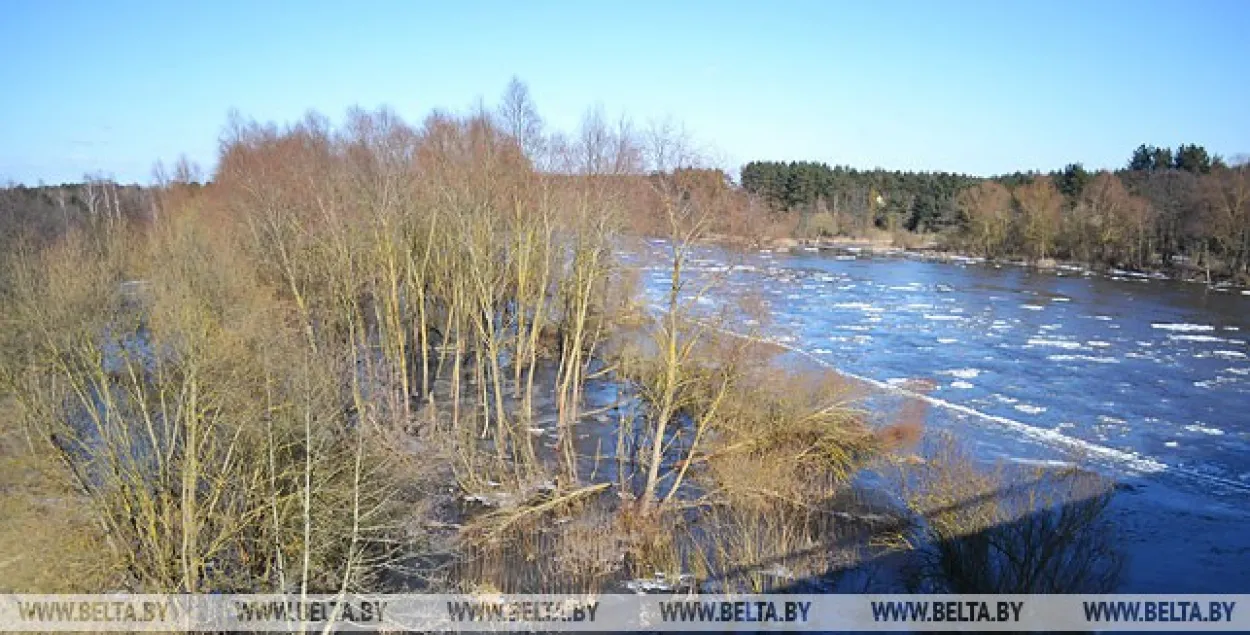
(1198, 427)
(961, 385)
(1032, 307)
(1229, 354)
(1095, 359)
(961, 373)
(938, 317)
(1067, 344)
(1196, 338)
(1182, 327)
(947, 340)
(1030, 409)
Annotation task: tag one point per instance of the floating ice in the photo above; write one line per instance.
(1198, 427)
(1030, 409)
(1229, 354)
(1032, 307)
(947, 340)
(961, 384)
(1196, 338)
(1083, 358)
(1182, 327)
(962, 373)
(1068, 344)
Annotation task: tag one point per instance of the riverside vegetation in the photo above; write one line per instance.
(378, 356)
(1185, 213)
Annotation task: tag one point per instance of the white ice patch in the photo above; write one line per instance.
(1042, 462)
(1171, 444)
(961, 373)
(1070, 345)
(944, 318)
(1229, 354)
(1098, 344)
(1030, 409)
(1103, 318)
(961, 385)
(1182, 327)
(1196, 338)
(1197, 427)
(947, 340)
(1032, 307)
(1083, 358)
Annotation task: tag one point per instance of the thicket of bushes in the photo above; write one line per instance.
(295, 378)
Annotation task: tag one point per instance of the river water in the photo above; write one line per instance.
(1147, 380)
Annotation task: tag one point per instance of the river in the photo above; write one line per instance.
(1147, 380)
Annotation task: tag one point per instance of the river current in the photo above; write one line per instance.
(1146, 379)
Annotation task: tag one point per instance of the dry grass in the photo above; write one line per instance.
(988, 531)
(49, 542)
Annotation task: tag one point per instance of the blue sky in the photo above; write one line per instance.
(981, 87)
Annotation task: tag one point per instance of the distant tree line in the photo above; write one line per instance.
(35, 216)
(1166, 209)
(1181, 208)
(916, 201)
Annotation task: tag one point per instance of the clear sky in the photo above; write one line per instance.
(980, 87)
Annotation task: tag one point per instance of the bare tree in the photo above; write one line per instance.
(519, 117)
